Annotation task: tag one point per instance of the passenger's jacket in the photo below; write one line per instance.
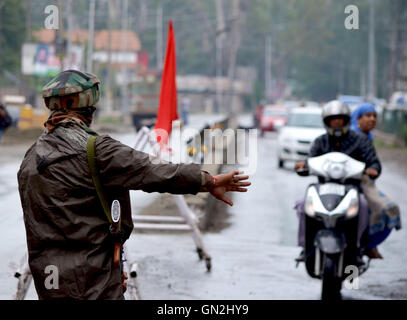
(65, 224)
(356, 145)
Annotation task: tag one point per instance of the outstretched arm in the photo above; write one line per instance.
(122, 166)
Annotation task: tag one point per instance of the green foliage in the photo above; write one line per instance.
(404, 132)
(12, 34)
(311, 49)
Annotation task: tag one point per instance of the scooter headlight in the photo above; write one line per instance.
(309, 207)
(313, 204)
(353, 208)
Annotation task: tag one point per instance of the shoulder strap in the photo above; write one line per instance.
(90, 152)
(89, 130)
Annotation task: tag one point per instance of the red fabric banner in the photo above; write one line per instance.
(167, 108)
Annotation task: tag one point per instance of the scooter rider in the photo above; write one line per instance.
(339, 138)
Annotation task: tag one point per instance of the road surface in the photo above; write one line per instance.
(253, 257)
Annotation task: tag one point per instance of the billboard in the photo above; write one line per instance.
(40, 59)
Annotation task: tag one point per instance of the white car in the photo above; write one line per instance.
(295, 138)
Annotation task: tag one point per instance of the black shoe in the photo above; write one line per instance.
(373, 254)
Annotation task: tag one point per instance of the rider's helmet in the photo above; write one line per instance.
(71, 89)
(336, 109)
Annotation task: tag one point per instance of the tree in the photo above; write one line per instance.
(12, 34)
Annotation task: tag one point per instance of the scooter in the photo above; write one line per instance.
(331, 221)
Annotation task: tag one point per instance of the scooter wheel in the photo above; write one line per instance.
(331, 283)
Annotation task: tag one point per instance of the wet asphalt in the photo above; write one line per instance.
(252, 257)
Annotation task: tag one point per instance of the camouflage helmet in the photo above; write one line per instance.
(71, 89)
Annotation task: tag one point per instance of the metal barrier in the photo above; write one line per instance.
(394, 122)
(187, 221)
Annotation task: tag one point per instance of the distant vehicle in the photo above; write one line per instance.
(290, 104)
(14, 104)
(144, 91)
(398, 100)
(272, 118)
(351, 101)
(354, 101)
(312, 104)
(295, 139)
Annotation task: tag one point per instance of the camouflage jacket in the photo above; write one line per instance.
(65, 224)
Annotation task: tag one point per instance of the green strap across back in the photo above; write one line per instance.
(90, 153)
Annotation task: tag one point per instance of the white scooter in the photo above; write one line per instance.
(331, 220)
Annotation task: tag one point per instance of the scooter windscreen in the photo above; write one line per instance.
(336, 166)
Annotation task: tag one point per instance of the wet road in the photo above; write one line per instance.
(253, 258)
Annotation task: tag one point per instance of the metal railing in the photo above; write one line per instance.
(394, 121)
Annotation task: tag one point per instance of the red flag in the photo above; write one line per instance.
(167, 108)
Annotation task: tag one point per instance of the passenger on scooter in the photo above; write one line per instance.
(339, 138)
(363, 120)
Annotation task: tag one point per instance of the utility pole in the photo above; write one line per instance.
(125, 107)
(60, 41)
(91, 28)
(2, 3)
(220, 29)
(372, 58)
(341, 74)
(363, 82)
(28, 21)
(394, 47)
(108, 98)
(159, 30)
(69, 33)
(267, 69)
(234, 47)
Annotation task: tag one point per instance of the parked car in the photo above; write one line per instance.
(289, 104)
(272, 118)
(295, 138)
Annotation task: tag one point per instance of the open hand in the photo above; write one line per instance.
(229, 182)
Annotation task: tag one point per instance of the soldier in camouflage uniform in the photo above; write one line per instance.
(65, 223)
